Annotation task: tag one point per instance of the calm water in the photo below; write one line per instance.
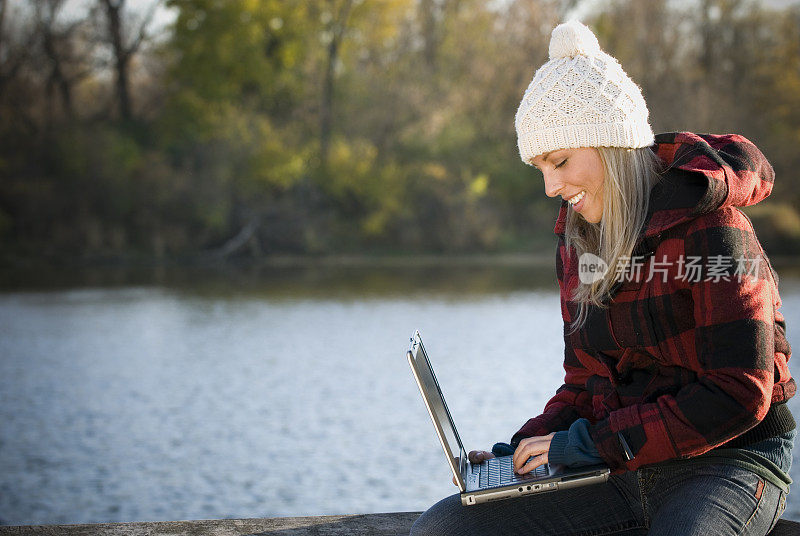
(274, 393)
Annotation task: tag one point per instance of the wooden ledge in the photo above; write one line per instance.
(391, 524)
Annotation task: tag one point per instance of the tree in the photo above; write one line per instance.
(66, 55)
(124, 48)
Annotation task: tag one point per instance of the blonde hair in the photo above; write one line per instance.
(629, 176)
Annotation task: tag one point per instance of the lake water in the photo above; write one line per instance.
(273, 393)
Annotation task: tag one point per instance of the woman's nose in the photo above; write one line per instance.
(552, 187)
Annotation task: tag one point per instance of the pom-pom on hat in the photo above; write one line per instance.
(580, 98)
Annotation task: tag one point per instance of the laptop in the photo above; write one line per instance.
(493, 479)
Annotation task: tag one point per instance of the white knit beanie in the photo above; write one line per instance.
(580, 98)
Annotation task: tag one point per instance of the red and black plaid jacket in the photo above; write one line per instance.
(689, 354)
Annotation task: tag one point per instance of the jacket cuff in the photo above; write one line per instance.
(558, 446)
(575, 447)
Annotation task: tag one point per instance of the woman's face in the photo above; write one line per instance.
(576, 175)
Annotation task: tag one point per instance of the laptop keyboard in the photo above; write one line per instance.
(497, 471)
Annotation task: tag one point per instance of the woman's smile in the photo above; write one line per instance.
(577, 201)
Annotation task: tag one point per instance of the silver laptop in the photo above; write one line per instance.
(493, 479)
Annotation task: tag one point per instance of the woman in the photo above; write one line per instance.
(675, 351)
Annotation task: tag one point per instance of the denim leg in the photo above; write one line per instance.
(613, 507)
(711, 500)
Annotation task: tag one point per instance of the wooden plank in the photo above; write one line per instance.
(391, 524)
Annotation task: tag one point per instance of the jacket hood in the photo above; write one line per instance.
(704, 172)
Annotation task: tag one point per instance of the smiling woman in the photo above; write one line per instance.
(676, 378)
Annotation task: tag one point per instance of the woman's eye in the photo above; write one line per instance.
(562, 163)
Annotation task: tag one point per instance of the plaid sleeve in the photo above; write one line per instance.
(731, 354)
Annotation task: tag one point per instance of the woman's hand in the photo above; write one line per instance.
(476, 456)
(535, 448)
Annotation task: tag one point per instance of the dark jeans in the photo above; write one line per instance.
(676, 499)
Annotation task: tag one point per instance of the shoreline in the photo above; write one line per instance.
(312, 260)
(351, 273)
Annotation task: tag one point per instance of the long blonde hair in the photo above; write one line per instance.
(629, 176)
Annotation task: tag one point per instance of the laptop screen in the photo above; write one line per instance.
(435, 402)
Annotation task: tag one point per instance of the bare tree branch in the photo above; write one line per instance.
(142, 34)
(12, 55)
(122, 52)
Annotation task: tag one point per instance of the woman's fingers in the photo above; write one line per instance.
(528, 447)
(478, 456)
(531, 447)
(533, 463)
